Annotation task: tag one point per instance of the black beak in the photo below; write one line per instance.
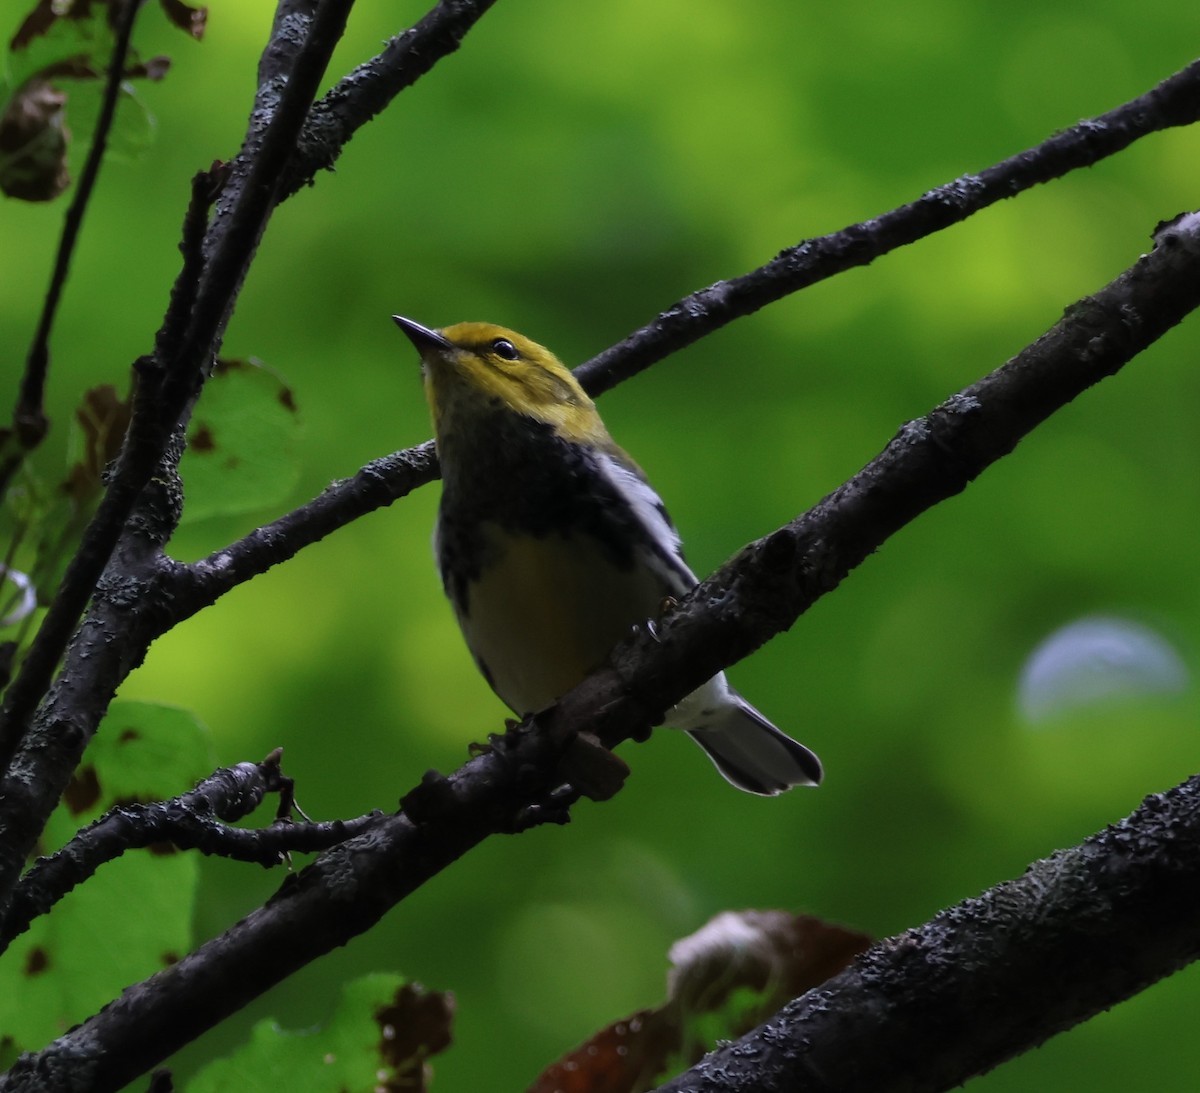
(421, 336)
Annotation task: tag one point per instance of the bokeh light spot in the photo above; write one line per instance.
(1094, 662)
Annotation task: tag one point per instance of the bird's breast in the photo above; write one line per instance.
(544, 611)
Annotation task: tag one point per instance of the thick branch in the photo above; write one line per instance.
(993, 977)
(760, 592)
(37, 775)
(771, 582)
(303, 36)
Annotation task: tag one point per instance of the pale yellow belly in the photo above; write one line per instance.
(548, 611)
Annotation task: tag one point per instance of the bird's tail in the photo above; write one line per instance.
(746, 748)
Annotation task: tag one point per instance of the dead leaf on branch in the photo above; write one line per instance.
(416, 1025)
(46, 13)
(726, 978)
(33, 144)
(103, 417)
(57, 42)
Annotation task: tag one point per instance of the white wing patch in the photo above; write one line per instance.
(665, 555)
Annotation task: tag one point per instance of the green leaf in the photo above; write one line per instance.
(143, 751)
(240, 454)
(78, 957)
(379, 1037)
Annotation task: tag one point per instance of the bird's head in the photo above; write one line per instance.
(473, 369)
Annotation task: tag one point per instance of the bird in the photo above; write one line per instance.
(552, 545)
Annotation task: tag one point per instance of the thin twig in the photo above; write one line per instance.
(29, 417)
(376, 485)
(196, 820)
(1176, 101)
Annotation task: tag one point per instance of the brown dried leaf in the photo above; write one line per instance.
(774, 952)
(624, 1057)
(33, 143)
(186, 18)
(77, 67)
(103, 418)
(36, 23)
(46, 13)
(71, 42)
(153, 69)
(416, 1025)
(773, 955)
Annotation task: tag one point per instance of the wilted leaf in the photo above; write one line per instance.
(45, 522)
(774, 952)
(61, 40)
(102, 417)
(728, 977)
(415, 1025)
(47, 13)
(622, 1058)
(186, 18)
(153, 69)
(36, 23)
(33, 143)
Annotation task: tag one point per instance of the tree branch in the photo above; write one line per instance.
(196, 820)
(37, 777)
(368, 90)
(379, 483)
(992, 977)
(303, 37)
(1176, 101)
(771, 582)
(756, 595)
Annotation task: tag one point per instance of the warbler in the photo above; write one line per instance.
(551, 543)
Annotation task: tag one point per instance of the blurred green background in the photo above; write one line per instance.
(572, 170)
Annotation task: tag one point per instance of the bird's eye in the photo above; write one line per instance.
(502, 347)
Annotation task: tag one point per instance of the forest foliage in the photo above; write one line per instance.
(570, 172)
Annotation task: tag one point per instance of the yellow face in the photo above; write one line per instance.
(482, 367)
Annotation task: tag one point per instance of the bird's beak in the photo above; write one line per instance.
(421, 336)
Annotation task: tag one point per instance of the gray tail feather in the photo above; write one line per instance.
(753, 754)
